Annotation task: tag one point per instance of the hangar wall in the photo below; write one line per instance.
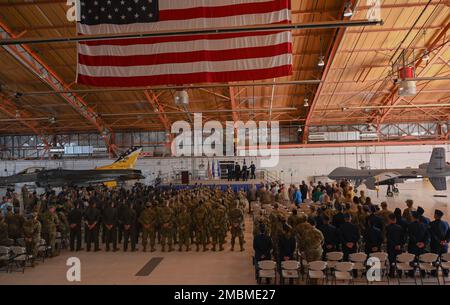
(294, 165)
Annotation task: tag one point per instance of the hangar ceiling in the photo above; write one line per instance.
(356, 85)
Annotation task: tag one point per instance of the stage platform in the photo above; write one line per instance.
(223, 184)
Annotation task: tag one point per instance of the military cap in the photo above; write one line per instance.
(438, 213)
(409, 201)
(420, 211)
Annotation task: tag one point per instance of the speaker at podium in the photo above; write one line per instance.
(185, 177)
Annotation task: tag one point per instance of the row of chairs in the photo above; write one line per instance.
(335, 269)
(17, 258)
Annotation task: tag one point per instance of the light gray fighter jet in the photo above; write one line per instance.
(436, 171)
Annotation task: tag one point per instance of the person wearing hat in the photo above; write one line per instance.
(75, 218)
(407, 212)
(286, 244)
(92, 219)
(395, 240)
(348, 236)
(440, 235)
(32, 234)
(110, 219)
(418, 235)
(422, 218)
(50, 221)
(148, 220)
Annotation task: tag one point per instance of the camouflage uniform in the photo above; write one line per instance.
(15, 223)
(276, 220)
(149, 221)
(32, 233)
(311, 244)
(166, 218)
(236, 221)
(183, 221)
(49, 222)
(218, 225)
(201, 226)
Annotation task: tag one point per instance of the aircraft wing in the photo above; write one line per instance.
(375, 180)
(439, 183)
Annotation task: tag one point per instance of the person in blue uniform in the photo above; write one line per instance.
(262, 244)
(422, 218)
(330, 236)
(440, 236)
(373, 238)
(237, 171)
(395, 241)
(348, 236)
(419, 236)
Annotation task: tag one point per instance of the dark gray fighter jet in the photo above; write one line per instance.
(436, 171)
(119, 171)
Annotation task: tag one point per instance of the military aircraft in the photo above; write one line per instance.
(436, 171)
(121, 170)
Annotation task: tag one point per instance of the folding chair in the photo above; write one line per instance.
(316, 271)
(19, 257)
(359, 262)
(383, 258)
(343, 272)
(333, 258)
(5, 257)
(43, 249)
(428, 262)
(267, 270)
(405, 263)
(445, 264)
(290, 270)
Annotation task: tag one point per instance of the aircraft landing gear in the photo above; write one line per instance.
(391, 190)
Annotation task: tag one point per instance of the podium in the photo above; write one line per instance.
(185, 177)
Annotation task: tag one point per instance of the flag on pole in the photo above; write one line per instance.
(213, 169)
(182, 59)
(218, 170)
(209, 171)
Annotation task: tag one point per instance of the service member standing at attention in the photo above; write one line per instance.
(252, 171)
(129, 220)
(395, 240)
(75, 218)
(148, 220)
(91, 219)
(200, 223)
(330, 236)
(166, 219)
(237, 171)
(440, 236)
(349, 236)
(184, 224)
(236, 221)
(218, 225)
(50, 221)
(110, 221)
(32, 234)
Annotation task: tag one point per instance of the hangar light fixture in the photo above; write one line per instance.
(181, 97)
(306, 102)
(348, 12)
(321, 62)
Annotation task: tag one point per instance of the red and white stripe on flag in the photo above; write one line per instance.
(178, 60)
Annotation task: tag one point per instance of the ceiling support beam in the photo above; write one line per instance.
(36, 65)
(333, 49)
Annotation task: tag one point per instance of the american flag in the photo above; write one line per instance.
(180, 60)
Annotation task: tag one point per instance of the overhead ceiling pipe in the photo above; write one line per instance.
(219, 30)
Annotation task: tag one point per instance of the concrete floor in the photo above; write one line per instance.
(192, 267)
